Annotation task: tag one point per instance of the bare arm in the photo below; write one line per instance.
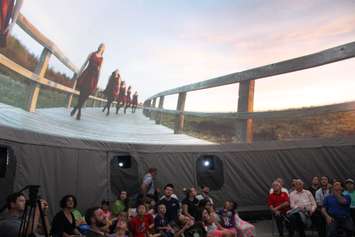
(185, 211)
(83, 66)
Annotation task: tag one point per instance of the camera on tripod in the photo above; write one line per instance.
(29, 214)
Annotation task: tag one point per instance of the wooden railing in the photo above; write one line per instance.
(36, 78)
(246, 79)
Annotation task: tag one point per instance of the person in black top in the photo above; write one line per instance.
(128, 100)
(63, 224)
(161, 223)
(121, 98)
(134, 102)
(190, 204)
(172, 204)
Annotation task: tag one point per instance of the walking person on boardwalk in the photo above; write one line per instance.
(128, 99)
(121, 97)
(134, 102)
(112, 89)
(88, 78)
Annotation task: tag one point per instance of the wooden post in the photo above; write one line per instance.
(153, 113)
(179, 123)
(70, 98)
(246, 104)
(33, 89)
(159, 116)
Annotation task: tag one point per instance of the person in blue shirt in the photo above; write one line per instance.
(336, 210)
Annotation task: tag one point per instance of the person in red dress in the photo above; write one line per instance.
(112, 89)
(142, 224)
(88, 78)
(8, 15)
(134, 102)
(128, 98)
(121, 98)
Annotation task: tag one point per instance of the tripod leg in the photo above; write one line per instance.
(43, 219)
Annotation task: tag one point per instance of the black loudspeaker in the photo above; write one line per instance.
(209, 171)
(123, 173)
(122, 161)
(4, 160)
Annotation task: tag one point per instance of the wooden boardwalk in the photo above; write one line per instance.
(129, 128)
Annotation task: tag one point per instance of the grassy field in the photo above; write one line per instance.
(14, 91)
(224, 130)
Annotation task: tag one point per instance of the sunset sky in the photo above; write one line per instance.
(161, 44)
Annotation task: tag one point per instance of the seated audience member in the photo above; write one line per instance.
(122, 217)
(282, 183)
(318, 218)
(105, 206)
(293, 185)
(121, 229)
(95, 219)
(349, 190)
(336, 209)
(121, 204)
(187, 227)
(150, 206)
(190, 204)
(315, 185)
(79, 219)
(63, 224)
(10, 221)
(213, 229)
(227, 215)
(278, 203)
(244, 228)
(161, 223)
(142, 224)
(303, 206)
(205, 194)
(172, 204)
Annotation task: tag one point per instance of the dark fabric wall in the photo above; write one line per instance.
(81, 167)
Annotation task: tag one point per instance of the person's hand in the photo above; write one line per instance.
(329, 220)
(277, 212)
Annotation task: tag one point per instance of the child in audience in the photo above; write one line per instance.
(142, 224)
(161, 223)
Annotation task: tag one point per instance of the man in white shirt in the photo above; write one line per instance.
(148, 186)
(303, 206)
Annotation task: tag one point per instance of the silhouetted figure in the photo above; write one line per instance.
(112, 89)
(134, 102)
(121, 97)
(128, 99)
(88, 78)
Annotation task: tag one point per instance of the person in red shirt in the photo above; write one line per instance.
(142, 223)
(279, 203)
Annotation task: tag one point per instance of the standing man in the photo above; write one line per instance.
(148, 184)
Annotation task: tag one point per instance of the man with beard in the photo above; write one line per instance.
(10, 222)
(95, 219)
